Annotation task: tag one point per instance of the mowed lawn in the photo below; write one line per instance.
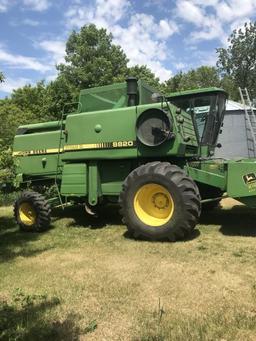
(85, 279)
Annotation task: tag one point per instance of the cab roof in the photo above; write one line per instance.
(197, 92)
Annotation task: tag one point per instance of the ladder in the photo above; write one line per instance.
(62, 140)
(250, 121)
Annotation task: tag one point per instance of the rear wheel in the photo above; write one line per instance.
(32, 212)
(159, 201)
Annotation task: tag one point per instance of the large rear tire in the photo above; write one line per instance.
(32, 212)
(159, 201)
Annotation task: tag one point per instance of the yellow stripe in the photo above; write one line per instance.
(71, 147)
(38, 152)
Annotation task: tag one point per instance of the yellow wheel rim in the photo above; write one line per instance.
(153, 204)
(27, 214)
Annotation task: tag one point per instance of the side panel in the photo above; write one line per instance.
(74, 180)
(242, 178)
(212, 172)
(185, 141)
(112, 175)
(106, 134)
(36, 153)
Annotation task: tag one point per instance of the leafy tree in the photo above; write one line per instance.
(202, 77)
(11, 116)
(1, 77)
(141, 72)
(228, 84)
(238, 61)
(92, 59)
(58, 93)
(31, 100)
(7, 168)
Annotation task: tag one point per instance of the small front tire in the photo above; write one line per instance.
(32, 212)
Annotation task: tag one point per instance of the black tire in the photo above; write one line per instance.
(32, 212)
(185, 200)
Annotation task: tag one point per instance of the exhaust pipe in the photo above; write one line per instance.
(132, 91)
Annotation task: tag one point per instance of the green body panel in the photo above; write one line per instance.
(36, 153)
(241, 181)
(74, 180)
(177, 146)
(94, 183)
(211, 173)
(114, 125)
(235, 177)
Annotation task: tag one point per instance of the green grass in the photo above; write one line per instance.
(86, 279)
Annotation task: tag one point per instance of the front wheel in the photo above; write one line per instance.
(32, 212)
(159, 201)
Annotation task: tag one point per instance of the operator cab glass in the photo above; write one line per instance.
(206, 108)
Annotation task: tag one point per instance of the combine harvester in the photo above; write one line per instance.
(125, 143)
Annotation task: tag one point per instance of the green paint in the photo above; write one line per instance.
(93, 184)
(74, 178)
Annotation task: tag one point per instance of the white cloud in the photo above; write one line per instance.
(234, 9)
(190, 12)
(111, 10)
(33, 5)
(30, 22)
(214, 19)
(11, 84)
(56, 50)
(143, 41)
(143, 38)
(4, 5)
(37, 5)
(166, 29)
(104, 13)
(180, 65)
(21, 62)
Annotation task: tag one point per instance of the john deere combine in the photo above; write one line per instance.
(125, 143)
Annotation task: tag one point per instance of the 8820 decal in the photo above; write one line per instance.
(123, 144)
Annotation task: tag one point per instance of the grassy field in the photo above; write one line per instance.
(86, 280)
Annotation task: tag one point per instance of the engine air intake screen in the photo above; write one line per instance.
(153, 127)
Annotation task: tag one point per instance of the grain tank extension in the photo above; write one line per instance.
(126, 143)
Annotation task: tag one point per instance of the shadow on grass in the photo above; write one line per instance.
(14, 243)
(107, 215)
(236, 221)
(27, 318)
(193, 235)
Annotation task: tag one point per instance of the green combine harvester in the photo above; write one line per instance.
(127, 144)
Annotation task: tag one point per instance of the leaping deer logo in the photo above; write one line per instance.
(249, 178)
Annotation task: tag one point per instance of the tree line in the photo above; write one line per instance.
(92, 59)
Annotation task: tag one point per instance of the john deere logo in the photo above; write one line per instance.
(249, 178)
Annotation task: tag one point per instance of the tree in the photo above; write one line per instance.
(92, 59)
(202, 77)
(238, 61)
(11, 116)
(58, 93)
(1, 77)
(31, 100)
(144, 73)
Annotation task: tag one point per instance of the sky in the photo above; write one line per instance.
(166, 35)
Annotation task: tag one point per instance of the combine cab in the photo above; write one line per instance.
(128, 144)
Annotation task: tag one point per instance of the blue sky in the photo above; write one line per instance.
(166, 35)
